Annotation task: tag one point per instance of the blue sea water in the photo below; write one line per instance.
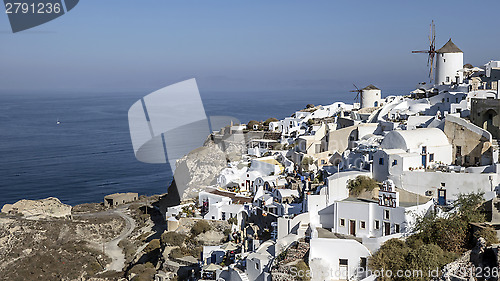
(90, 153)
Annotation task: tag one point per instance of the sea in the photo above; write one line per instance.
(89, 154)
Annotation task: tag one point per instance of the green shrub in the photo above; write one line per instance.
(128, 249)
(179, 252)
(145, 272)
(196, 251)
(199, 227)
(488, 234)
(153, 245)
(172, 239)
(435, 241)
(232, 220)
(303, 267)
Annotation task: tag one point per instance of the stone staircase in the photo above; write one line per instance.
(243, 275)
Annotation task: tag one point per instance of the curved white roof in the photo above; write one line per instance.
(413, 139)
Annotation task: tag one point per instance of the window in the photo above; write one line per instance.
(223, 216)
(431, 157)
(447, 99)
(343, 262)
(323, 162)
(377, 224)
(447, 79)
(397, 228)
(381, 161)
(342, 222)
(424, 149)
(362, 224)
(456, 100)
(386, 214)
(363, 263)
(257, 266)
(395, 162)
(459, 150)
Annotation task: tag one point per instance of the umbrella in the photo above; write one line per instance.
(229, 246)
(418, 91)
(474, 69)
(211, 267)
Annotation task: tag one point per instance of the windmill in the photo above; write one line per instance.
(358, 91)
(432, 49)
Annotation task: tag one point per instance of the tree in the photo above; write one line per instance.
(361, 183)
(306, 161)
(251, 124)
(391, 256)
(269, 120)
(397, 255)
(452, 232)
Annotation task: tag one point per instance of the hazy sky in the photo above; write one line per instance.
(118, 45)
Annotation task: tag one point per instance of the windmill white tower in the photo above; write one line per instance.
(370, 96)
(449, 62)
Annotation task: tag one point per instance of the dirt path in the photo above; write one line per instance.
(111, 248)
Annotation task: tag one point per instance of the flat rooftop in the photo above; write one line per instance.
(237, 199)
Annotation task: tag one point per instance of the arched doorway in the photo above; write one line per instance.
(488, 117)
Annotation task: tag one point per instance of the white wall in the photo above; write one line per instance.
(336, 188)
(368, 212)
(370, 97)
(447, 65)
(325, 253)
(419, 182)
(315, 203)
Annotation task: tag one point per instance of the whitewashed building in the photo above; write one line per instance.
(403, 150)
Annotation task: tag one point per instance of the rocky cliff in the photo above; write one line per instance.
(37, 209)
(199, 169)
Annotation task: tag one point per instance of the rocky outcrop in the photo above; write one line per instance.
(37, 209)
(199, 169)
